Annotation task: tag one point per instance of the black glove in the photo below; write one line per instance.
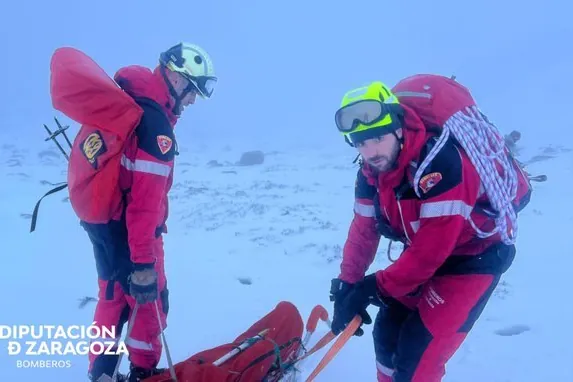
(352, 299)
(143, 283)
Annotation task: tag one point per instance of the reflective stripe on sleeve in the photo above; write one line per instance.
(445, 208)
(146, 166)
(365, 210)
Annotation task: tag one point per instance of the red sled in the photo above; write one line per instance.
(267, 351)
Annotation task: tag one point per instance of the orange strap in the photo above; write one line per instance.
(335, 348)
(325, 340)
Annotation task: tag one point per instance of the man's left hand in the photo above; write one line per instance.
(143, 283)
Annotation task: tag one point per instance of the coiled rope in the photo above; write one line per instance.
(485, 147)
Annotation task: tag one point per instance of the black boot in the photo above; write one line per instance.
(137, 374)
(103, 369)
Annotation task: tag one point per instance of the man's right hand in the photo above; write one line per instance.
(143, 283)
(353, 299)
(345, 307)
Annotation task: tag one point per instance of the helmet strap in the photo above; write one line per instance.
(348, 141)
(176, 108)
(393, 132)
(401, 140)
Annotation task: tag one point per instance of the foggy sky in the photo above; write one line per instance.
(283, 66)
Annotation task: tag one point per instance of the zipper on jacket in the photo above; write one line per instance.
(402, 219)
(399, 194)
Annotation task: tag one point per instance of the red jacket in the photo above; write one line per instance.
(433, 227)
(147, 162)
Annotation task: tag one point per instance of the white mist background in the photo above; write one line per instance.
(283, 67)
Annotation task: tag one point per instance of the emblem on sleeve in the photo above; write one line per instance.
(429, 181)
(165, 143)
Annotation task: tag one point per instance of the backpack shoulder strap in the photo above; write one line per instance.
(443, 172)
(37, 207)
(153, 124)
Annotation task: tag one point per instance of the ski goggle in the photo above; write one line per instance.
(369, 113)
(204, 85)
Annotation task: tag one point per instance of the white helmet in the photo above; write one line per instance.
(194, 64)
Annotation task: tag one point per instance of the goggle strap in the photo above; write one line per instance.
(363, 135)
(400, 140)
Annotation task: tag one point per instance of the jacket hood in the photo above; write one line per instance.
(415, 136)
(139, 81)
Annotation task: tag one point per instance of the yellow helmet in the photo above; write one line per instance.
(194, 63)
(367, 112)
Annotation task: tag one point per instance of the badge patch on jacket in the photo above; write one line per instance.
(92, 147)
(165, 143)
(429, 181)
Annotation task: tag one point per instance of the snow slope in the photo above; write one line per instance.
(241, 239)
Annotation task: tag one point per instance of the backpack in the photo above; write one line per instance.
(448, 108)
(85, 93)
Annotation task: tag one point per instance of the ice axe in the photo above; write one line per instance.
(242, 346)
(53, 135)
(129, 327)
(167, 352)
(62, 130)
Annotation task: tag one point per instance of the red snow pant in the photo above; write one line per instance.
(115, 305)
(415, 336)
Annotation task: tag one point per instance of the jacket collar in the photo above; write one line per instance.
(415, 136)
(139, 81)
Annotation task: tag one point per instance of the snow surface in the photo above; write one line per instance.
(281, 226)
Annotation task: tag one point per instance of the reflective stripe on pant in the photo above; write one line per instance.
(114, 309)
(415, 337)
(414, 345)
(144, 343)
